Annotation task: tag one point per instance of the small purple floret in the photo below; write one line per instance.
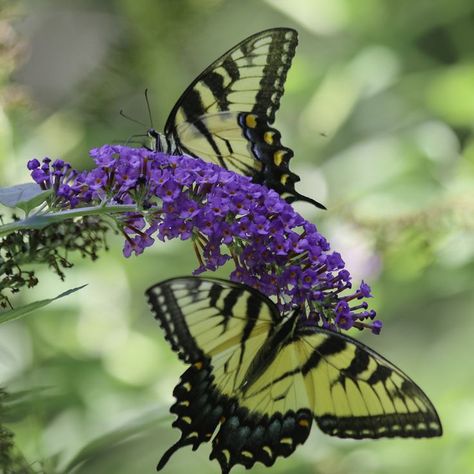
(33, 164)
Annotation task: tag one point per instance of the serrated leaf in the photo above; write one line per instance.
(18, 313)
(26, 196)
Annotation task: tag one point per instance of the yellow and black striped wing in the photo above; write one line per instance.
(357, 393)
(244, 143)
(203, 318)
(247, 78)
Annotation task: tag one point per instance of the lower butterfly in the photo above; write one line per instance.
(258, 378)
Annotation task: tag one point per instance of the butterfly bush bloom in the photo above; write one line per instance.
(227, 217)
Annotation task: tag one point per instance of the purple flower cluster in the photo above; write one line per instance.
(227, 217)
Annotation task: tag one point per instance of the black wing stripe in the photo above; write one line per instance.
(359, 364)
(380, 374)
(253, 310)
(230, 300)
(193, 108)
(231, 68)
(168, 312)
(330, 346)
(215, 82)
(214, 294)
(254, 305)
(274, 381)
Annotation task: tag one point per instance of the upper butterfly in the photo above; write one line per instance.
(258, 378)
(224, 114)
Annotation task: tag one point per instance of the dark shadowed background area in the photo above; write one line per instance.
(379, 110)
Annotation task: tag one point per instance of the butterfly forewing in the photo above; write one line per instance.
(203, 318)
(359, 394)
(247, 78)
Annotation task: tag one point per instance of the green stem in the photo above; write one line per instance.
(43, 220)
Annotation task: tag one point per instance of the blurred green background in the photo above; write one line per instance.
(379, 109)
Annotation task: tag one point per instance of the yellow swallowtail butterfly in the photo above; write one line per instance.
(258, 378)
(224, 115)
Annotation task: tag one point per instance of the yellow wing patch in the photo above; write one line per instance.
(228, 148)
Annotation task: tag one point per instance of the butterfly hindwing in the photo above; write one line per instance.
(229, 148)
(258, 378)
(246, 145)
(273, 157)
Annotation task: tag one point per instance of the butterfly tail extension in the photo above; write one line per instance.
(198, 407)
(169, 452)
(246, 438)
(295, 196)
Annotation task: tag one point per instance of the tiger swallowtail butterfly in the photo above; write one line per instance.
(224, 115)
(257, 379)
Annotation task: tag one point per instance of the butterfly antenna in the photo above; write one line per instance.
(147, 100)
(129, 139)
(122, 113)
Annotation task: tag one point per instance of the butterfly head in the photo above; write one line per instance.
(157, 141)
(160, 142)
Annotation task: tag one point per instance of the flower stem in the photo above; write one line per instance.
(40, 221)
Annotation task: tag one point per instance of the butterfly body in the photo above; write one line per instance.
(257, 378)
(225, 115)
(161, 143)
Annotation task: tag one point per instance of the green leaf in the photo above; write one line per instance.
(138, 429)
(26, 196)
(16, 406)
(18, 313)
